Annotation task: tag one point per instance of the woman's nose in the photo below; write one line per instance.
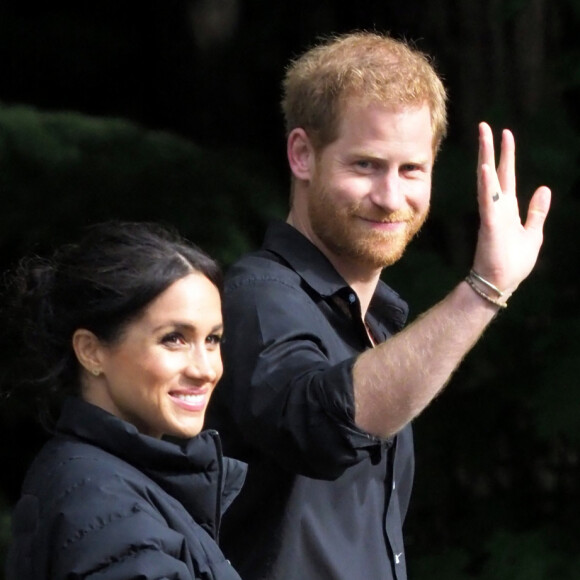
(200, 365)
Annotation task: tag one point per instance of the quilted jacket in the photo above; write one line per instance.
(103, 502)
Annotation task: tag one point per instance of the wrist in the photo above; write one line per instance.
(486, 290)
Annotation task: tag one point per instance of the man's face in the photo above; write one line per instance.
(370, 189)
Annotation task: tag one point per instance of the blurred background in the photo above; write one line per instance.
(169, 111)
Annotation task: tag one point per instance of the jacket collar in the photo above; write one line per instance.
(193, 471)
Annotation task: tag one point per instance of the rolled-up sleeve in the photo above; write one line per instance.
(288, 384)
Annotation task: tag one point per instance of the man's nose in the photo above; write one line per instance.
(388, 191)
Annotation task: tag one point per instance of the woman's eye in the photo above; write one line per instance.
(173, 338)
(214, 339)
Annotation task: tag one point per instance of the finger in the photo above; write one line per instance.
(506, 171)
(538, 209)
(488, 195)
(486, 150)
(486, 174)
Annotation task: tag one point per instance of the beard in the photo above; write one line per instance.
(345, 234)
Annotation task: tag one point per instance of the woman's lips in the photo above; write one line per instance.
(191, 401)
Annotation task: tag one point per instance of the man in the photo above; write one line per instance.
(321, 387)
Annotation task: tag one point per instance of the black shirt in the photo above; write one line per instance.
(323, 499)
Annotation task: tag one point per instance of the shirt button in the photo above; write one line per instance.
(352, 298)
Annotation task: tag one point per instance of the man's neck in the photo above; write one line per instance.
(360, 278)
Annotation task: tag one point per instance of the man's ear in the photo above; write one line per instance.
(88, 350)
(300, 153)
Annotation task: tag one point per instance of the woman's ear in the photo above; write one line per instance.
(300, 153)
(88, 350)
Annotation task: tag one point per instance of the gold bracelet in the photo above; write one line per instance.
(477, 290)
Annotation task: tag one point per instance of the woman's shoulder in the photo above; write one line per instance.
(63, 460)
(70, 477)
(74, 486)
(82, 508)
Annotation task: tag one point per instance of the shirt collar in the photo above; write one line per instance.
(315, 269)
(304, 258)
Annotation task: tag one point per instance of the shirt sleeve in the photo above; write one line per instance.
(287, 399)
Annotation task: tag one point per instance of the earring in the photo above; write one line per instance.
(96, 372)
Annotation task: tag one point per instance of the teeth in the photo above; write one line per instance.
(191, 398)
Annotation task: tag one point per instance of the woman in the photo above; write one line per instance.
(122, 332)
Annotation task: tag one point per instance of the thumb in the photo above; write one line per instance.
(538, 209)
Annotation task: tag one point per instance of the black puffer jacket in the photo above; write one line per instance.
(102, 501)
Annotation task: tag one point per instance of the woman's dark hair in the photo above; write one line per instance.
(100, 283)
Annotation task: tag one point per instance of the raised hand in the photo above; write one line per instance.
(507, 249)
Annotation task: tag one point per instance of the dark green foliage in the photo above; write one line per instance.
(60, 171)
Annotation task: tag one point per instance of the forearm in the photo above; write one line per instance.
(395, 381)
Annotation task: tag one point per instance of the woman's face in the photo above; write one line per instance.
(160, 374)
